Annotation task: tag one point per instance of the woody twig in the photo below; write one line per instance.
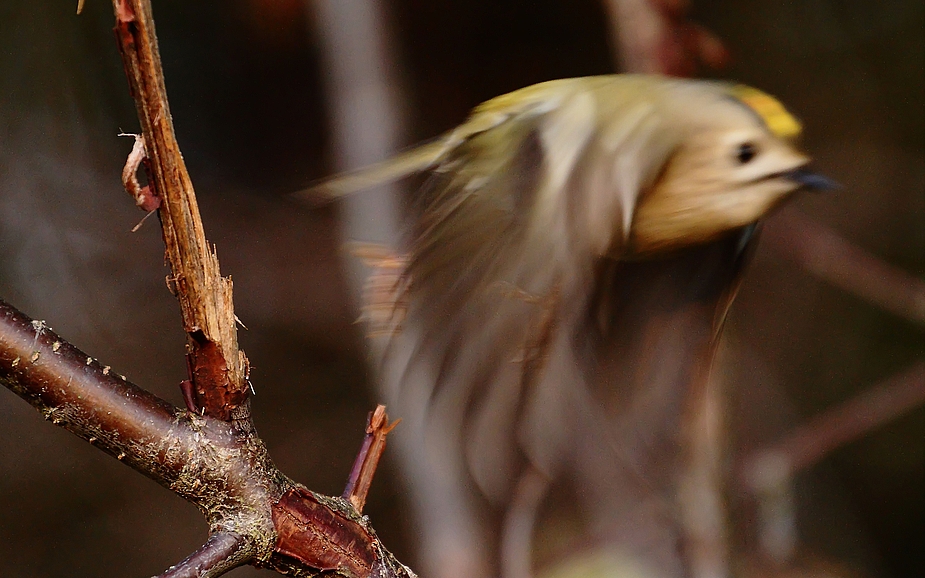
(364, 468)
(218, 369)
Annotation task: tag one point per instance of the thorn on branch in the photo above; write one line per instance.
(40, 327)
(142, 221)
(364, 468)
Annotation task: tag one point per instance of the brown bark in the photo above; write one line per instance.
(221, 467)
(364, 467)
(209, 453)
(218, 369)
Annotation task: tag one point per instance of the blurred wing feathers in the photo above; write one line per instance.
(484, 284)
(403, 165)
(521, 204)
(428, 156)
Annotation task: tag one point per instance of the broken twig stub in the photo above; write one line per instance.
(364, 468)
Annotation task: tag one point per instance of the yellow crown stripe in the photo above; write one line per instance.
(772, 112)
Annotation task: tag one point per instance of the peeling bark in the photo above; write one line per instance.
(218, 369)
(209, 453)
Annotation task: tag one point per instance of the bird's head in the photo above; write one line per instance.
(735, 161)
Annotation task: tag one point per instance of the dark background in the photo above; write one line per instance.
(245, 88)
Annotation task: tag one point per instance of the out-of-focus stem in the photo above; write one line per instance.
(824, 253)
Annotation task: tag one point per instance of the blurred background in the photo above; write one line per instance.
(269, 95)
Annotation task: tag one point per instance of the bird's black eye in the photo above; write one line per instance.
(746, 152)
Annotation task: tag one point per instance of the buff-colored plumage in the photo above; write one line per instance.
(511, 294)
(616, 135)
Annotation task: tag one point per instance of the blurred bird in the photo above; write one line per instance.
(556, 226)
(627, 165)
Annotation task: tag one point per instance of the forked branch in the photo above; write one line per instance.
(256, 514)
(806, 445)
(208, 453)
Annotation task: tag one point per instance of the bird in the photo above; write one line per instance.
(554, 229)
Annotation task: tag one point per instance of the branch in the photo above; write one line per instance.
(218, 369)
(851, 420)
(364, 468)
(74, 391)
(656, 37)
(223, 470)
(212, 457)
(829, 256)
(767, 474)
(203, 460)
(219, 554)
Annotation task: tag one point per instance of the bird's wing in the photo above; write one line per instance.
(528, 102)
(500, 267)
(482, 292)
(393, 169)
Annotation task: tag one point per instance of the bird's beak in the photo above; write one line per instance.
(810, 180)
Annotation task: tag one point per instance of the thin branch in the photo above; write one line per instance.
(851, 420)
(700, 498)
(218, 369)
(74, 391)
(824, 253)
(221, 552)
(364, 467)
(767, 474)
(656, 36)
(363, 94)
